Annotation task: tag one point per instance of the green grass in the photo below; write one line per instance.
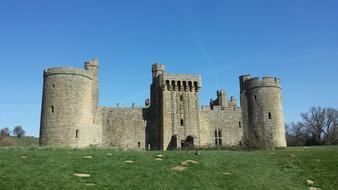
(25, 141)
(47, 168)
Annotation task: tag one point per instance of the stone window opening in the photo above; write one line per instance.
(239, 124)
(173, 84)
(255, 98)
(184, 85)
(167, 83)
(190, 85)
(77, 133)
(139, 145)
(182, 122)
(218, 137)
(179, 85)
(181, 98)
(270, 115)
(53, 85)
(51, 109)
(196, 85)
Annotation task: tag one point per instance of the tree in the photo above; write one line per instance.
(296, 134)
(331, 126)
(18, 131)
(4, 132)
(320, 124)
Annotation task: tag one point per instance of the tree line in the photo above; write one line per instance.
(5, 140)
(319, 126)
(17, 131)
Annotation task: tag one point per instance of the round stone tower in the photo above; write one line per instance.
(67, 107)
(263, 116)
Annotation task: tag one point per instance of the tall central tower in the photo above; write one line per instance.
(174, 110)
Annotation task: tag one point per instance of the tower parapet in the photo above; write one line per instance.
(180, 82)
(263, 116)
(264, 82)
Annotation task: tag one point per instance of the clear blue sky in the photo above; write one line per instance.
(295, 40)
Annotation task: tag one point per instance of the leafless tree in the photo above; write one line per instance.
(296, 134)
(320, 123)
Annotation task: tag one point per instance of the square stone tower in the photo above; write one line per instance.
(174, 110)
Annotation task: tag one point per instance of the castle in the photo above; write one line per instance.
(170, 119)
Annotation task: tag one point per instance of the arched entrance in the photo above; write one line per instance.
(188, 142)
(173, 143)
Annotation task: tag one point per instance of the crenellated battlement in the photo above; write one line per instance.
(247, 82)
(91, 63)
(221, 102)
(180, 82)
(67, 71)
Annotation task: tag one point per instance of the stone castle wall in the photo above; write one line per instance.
(123, 127)
(228, 121)
(70, 115)
(222, 119)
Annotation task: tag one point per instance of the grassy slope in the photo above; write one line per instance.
(281, 169)
(25, 141)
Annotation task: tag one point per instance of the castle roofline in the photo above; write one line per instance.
(181, 77)
(67, 71)
(266, 81)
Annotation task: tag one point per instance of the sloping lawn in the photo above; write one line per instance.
(47, 168)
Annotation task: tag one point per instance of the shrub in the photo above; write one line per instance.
(6, 141)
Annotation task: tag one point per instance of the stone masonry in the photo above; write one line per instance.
(170, 119)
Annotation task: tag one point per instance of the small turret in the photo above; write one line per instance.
(157, 69)
(222, 98)
(93, 67)
(242, 81)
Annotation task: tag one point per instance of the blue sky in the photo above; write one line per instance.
(295, 40)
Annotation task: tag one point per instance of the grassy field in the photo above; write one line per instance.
(46, 168)
(25, 141)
